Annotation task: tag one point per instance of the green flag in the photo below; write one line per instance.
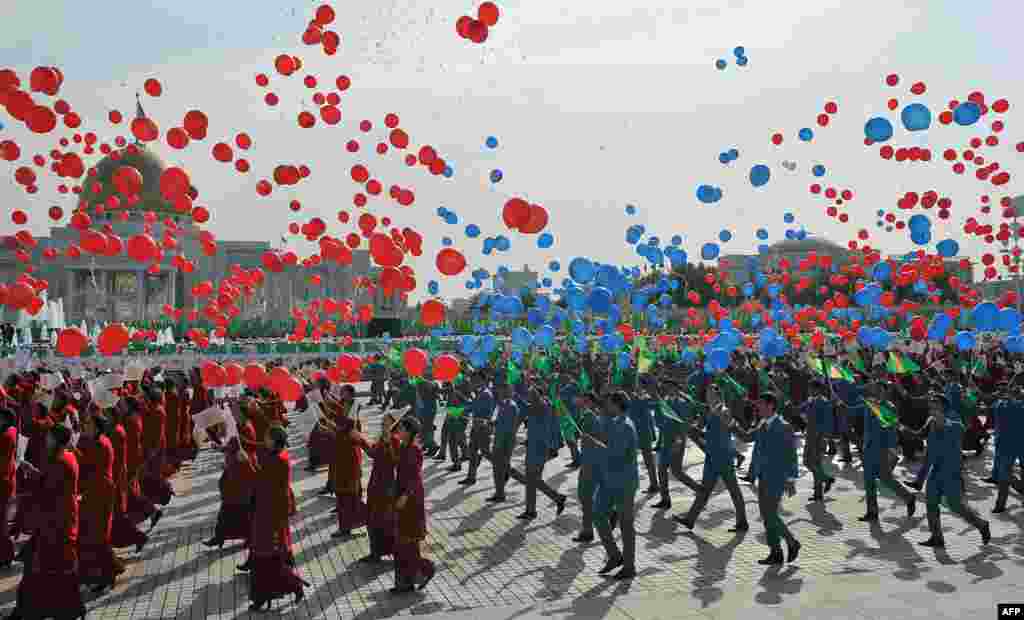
(512, 373)
(584, 381)
(456, 413)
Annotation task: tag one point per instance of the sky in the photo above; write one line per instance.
(595, 105)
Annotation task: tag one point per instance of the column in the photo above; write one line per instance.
(140, 284)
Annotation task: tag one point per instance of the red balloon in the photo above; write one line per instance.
(415, 362)
(450, 261)
(445, 368)
(223, 153)
(71, 342)
(127, 180)
(516, 213)
(432, 313)
(537, 221)
(488, 13)
(254, 376)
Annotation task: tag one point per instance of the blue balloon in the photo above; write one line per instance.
(916, 117)
(878, 129)
(948, 248)
(806, 134)
(718, 359)
(788, 218)
(451, 218)
(546, 282)
(630, 210)
(708, 194)
(1014, 344)
(521, 338)
(546, 240)
(502, 244)
(762, 234)
(581, 270)
(724, 158)
(545, 336)
(967, 113)
(985, 317)
(497, 175)
(432, 286)
(724, 236)
(759, 175)
(720, 64)
(600, 300)
(709, 251)
(442, 212)
(1009, 321)
(491, 142)
(677, 240)
(965, 341)
(919, 222)
(446, 241)
(488, 344)
(741, 61)
(818, 170)
(448, 172)
(734, 154)
(472, 231)
(739, 51)
(554, 266)
(921, 237)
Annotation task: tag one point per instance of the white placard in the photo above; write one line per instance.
(22, 447)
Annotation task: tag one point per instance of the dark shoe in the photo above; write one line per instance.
(495, 499)
(142, 545)
(986, 533)
(527, 516)
(325, 491)
(467, 481)
(560, 505)
(245, 567)
(794, 551)
(625, 574)
(740, 460)
(914, 484)
(455, 468)
(828, 485)
(583, 538)
(911, 507)
(662, 504)
(816, 499)
(258, 605)
(774, 558)
(214, 542)
(342, 534)
(610, 565)
(402, 589)
(868, 518)
(573, 465)
(370, 559)
(439, 457)
(990, 480)
(613, 519)
(653, 490)
(998, 509)
(300, 593)
(334, 510)
(748, 478)
(426, 580)
(155, 518)
(683, 520)
(933, 542)
(742, 526)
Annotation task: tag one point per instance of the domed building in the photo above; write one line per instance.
(118, 288)
(741, 266)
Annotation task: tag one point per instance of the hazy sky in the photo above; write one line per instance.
(596, 104)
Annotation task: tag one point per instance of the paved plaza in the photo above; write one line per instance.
(491, 565)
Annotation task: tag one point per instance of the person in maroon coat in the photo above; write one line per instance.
(140, 507)
(155, 485)
(99, 566)
(50, 586)
(237, 483)
(8, 480)
(124, 529)
(273, 564)
(410, 565)
(380, 493)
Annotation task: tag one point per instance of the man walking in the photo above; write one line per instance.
(776, 474)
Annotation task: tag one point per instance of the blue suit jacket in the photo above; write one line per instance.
(483, 405)
(621, 473)
(777, 460)
(506, 423)
(944, 457)
(720, 451)
(820, 415)
(538, 434)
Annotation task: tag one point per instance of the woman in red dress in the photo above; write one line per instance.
(273, 573)
(237, 482)
(124, 531)
(380, 492)
(140, 507)
(99, 566)
(155, 485)
(410, 565)
(8, 480)
(348, 471)
(50, 587)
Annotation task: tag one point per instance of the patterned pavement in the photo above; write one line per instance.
(489, 560)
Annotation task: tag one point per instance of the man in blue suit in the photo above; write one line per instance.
(481, 422)
(776, 474)
(640, 409)
(879, 459)
(591, 472)
(617, 491)
(538, 449)
(568, 394)
(719, 462)
(673, 427)
(944, 454)
(818, 412)
(1008, 423)
(506, 424)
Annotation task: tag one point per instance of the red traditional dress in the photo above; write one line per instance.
(172, 455)
(8, 488)
(140, 507)
(35, 423)
(348, 476)
(410, 566)
(98, 564)
(154, 443)
(272, 564)
(124, 531)
(50, 585)
(381, 518)
(237, 484)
